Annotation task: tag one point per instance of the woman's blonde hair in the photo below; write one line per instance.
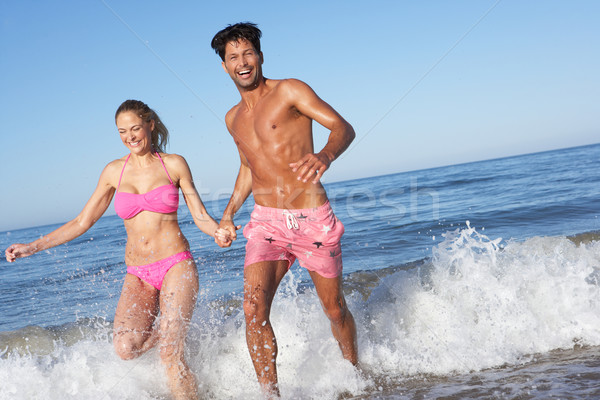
(160, 133)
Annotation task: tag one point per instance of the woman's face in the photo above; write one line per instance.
(136, 134)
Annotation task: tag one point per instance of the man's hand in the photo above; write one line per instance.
(311, 166)
(226, 233)
(222, 237)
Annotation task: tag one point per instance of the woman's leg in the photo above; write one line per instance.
(133, 333)
(178, 296)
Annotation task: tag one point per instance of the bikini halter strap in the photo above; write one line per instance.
(163, 164)
(161, 161)
(120, 177)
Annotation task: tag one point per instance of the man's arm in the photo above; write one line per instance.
(241, 191)
(342, 134)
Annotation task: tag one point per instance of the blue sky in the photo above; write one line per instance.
(424, 84)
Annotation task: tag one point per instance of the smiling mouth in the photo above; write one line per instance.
(134, 144)
(244, 72)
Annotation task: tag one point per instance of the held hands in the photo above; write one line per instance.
(18, 250)
(311, 166)
(226, 233)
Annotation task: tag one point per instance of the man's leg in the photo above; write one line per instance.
(260, 284)
(343, 328)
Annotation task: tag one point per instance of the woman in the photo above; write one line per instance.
(161, 273)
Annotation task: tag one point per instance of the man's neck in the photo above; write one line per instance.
(251, 96)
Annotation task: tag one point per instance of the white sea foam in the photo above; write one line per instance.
(478, 303)
(481, 306)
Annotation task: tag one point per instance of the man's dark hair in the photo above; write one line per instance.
(234, 33)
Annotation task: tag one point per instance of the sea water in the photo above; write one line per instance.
(479, 280)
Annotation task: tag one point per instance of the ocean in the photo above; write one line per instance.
(471, 281)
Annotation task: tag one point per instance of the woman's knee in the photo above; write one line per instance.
(171, 351)
(125, 347)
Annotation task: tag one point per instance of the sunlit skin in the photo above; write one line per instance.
(278, 149)
(151, 237)
(272, 128)
(135, 133)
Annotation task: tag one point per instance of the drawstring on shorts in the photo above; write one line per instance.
(290, 220)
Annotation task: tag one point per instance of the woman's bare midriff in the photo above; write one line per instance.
(152, 237)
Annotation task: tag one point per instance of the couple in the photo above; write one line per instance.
(272, 128)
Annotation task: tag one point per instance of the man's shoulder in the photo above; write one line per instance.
(290, 90)
(287, 84)
(232, 112)
(234, 108)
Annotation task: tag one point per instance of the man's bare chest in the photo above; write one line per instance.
(263, 124)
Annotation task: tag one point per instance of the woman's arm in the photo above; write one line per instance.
(93, 210)
(202, 219)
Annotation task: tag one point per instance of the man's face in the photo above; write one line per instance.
(243, 64)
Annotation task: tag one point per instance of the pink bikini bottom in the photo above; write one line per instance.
(155, 272)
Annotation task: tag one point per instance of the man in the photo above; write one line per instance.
(292, 218)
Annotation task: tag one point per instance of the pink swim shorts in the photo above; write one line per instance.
(311, 235)
(155, 272)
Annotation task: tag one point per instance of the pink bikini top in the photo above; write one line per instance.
(163, 199)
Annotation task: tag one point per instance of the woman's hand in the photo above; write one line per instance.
(18, 250)
(223, 237)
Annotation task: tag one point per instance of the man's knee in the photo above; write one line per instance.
(336, 311)
(250, 307)
(255, 306)
(255, 311)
